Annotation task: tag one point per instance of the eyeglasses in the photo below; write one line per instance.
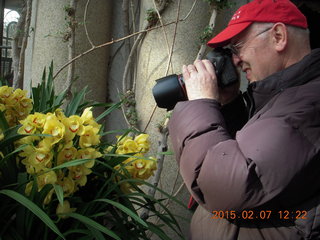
(236, 48)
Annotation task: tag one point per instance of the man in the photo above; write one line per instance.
(261, 179)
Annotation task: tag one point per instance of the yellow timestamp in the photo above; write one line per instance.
(260, 215)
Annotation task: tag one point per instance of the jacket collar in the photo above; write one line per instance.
(307, 69)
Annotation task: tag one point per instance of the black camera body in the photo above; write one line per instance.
(171, 89)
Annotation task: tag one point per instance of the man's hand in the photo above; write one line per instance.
(201, 82)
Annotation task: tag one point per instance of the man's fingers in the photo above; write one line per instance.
(191, 68)
(205, 66)
(209, 67)
(185, 72)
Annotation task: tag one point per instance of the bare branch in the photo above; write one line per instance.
(85, 23)
(126, 31)
(104, 45)
(114, 41)
(127, 82)
(162, 147)
(178, 20)
(133, 51)
(164, 32)
(190, 11)
(174, 37)
(71, 44)
(163, 144)
(164, 129)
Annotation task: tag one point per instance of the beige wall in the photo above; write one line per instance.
(46, 44)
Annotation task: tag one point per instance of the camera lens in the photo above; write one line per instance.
(169, 90)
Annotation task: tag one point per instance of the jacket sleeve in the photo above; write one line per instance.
(223, 173)
(235, 114)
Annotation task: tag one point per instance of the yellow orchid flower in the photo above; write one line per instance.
(59, 114)
(139, 168)
(48, 198)
(79, 174)
(28, 140)
(87, 116)
(68, 186)
(89, 153)
(17, 95)
(27, 129)
(89, 137)
(143, 142)
(5, 92)
(37, 158)
(31, 123)
(43, 179)
(73, 126)
(54, 127)
(88, 119)
(36, 119)
(67, 153)
(28, 188)
(130, 146)
(145, 168)
(108, 149)
(2, 107)
(64, 209)
(29, 149)
(127, 146)
(126, 187)
(26, 104)
(122, 139)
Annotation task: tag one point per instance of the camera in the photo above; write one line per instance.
(171, 89)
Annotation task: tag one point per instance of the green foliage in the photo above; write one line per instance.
(44, 98)
(206, 34)
(102, 209)
(152, 16)
(221, 4)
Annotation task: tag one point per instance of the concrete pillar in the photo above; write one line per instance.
(46, 44)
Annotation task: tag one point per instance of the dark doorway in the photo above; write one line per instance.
(311, 9)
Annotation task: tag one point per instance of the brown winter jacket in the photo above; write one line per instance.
(264, 183)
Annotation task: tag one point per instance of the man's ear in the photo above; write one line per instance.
(280, 36)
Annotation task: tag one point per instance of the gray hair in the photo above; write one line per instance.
(300, 35)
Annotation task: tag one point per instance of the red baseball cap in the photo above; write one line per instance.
(272, 11)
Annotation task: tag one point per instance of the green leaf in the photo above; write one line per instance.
(11, 136)
(12, 153)
(108, 111)
(97, 235)
(94, 224)
(71, 163)
(125, 210)
(85, 232)
(74, 104)
(43, 96)
(166, 153)
(3, 122)
(158, 231)
(59, 192)
(33, 208)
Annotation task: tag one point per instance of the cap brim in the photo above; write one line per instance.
(223, 38)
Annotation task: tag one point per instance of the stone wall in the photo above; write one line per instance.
(46, 44)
